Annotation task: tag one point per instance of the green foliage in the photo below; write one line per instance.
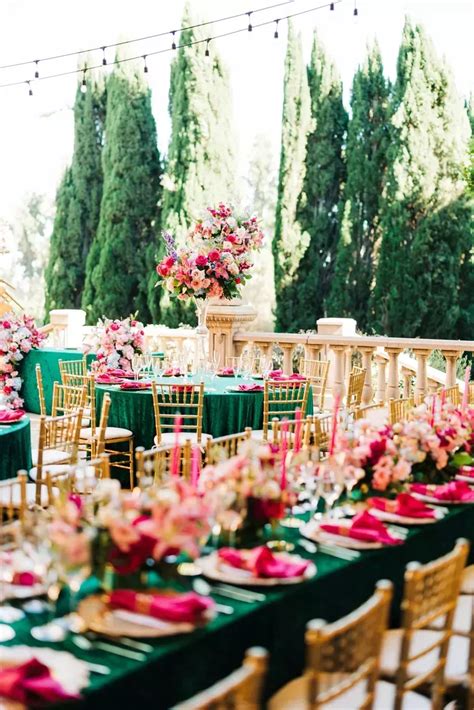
(78, 201)
(366, 155)
(200, 165)
(427, 239)
(117, 263)
(288, 243)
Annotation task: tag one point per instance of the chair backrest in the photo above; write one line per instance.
(292, 428)
(156, 462)
(60, 434)
(170, 400)
(223, 447)
(429, 600)
(72, 367)
(241, 690)
(40, 386)
(67, 399)
(88, 382)
(321, 428)
(365, 410)
(451, 394)
(13, 499)
(399, 409)
(281, 399)
(317, 373)
(98, 441)
(77, 478)
(355, 387)
(345, 653)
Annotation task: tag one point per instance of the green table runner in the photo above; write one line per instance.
(15, 448)
(181, 666)
(224, 411)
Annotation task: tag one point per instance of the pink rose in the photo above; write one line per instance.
(6, 324)
(114, 326)
(201, 260)
(214, 255)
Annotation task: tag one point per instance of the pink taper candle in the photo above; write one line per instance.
(465, 394)
(175, 454)
(443, 398)
(284, 451)
(335, 416)
(195, 466)
(433, 410)
(298, 427)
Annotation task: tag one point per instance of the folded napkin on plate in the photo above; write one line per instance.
(251, 388)
(135, 385)
(261, 562)
(182, 388)
(187, 607)
(405, 505)
(172, 372)
(117, 372)
(226, 371)
(467, 471)
(455, 491)
(276, 373)
(11, 415)
(25, 579)
(108, 379)
(31, 683)
(364, 527)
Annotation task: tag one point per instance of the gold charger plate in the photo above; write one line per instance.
(215, 569)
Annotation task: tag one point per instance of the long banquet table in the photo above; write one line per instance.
(15, 448)
(181, 666)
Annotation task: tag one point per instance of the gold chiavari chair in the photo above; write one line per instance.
(451, 394)
(72, 367)
(223, 447)
(399, 409)
(67, 399)
(114, 436)
(241, 690)
(281, 399)
(39, 384)
(369, 411)
(415, 655)
(171, 400)
(13, 498)
(320, 433)
(342, 662)
(355, 387)
(291, 426)
(317, 373)
(156, 462)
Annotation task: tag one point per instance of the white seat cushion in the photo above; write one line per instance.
(53, 469)
(294, 696)
(462, 616)
(169, 437)
(5, 494)
(111, 432)
(51, 456)
(467, 582)
(457, 661)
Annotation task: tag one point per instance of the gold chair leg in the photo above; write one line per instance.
(130, 454)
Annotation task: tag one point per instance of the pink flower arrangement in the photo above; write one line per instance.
(216, 259)
(17, 337)
(115, 342)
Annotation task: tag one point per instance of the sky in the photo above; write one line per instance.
(36, 132)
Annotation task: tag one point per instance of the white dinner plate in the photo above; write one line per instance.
(404, 519)
(313, 532)
(435, 501)
(216, 569)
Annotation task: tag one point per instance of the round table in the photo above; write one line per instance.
(224, 411)
(15, 448)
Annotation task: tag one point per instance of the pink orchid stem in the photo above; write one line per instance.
(195, 466)
(465, 394)
(433, 410)
(335, 418)
(284, 451)
(298, 427)
(175, 454)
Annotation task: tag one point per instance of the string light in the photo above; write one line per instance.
(356, 11)
(250, 24)
(206, 53)
(83, 83)
(276, 29)
(104, 58)
(331, 7)
(145, 66)
(36, 70)
(173, 44)
(30, 90)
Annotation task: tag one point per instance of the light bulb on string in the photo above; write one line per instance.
(206, 53)
(276, 30)
(145, 65)
(173, 44)
(356, 11)
(331, 7)
(36, 70)
(104, 58)
(83, 83)
(250, 24)
(30, 90)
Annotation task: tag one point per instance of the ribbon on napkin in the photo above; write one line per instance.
(32, 684)
(135, 385)
(261, 562)
(364, 527)
(187, 607)
(251, 388)
(455, 491)
(404, 505)
(11, 415)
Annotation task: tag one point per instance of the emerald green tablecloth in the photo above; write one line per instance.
(15, 448)
(224, 411)
(181, 666)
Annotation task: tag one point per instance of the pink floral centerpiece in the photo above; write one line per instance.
(18, 335)
(114, 343)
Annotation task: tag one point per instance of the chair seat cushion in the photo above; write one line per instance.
(51, 456)
(6, 495)
(294, 696)
(53, 469)
(467, 582)
(111, 432)
(169, 437)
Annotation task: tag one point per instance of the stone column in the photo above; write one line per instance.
(380, 395)
(451, 360)
(393, 389)
(420, 384)
(224, 319)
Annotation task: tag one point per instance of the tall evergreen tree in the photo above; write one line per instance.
(288, 243)
(117, 264)
(366, 157)
(73, 232)
(426, 233)
(200, 169)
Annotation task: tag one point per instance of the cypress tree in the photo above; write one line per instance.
(288, 243)
(75, 229)
(366, 156)
(117, 264)
(426, 232)
(200, 169)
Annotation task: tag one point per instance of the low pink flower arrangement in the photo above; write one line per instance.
(114, 343)
(216, 260)
(18, 335)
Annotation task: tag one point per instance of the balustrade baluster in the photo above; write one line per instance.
(380, 395)
(420, 383)
(367, 392)
(393, 388)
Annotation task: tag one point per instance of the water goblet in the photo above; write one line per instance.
(137, 364)
(329, 488)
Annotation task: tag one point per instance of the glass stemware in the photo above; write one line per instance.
(329, 489)
(158, 367)
(137, 365)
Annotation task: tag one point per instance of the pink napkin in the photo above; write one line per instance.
(251, 388)
(364, 527)
(187, 607)
(262, 562)
(31, 683)
(117, 372)
(405, 505)
(275, 374)
(455, 491)
(172, 372)
(25, 579)
(108, 379)
(226, 372)
(467, 471)
(11, 415)
(182, 388)
(135, 385)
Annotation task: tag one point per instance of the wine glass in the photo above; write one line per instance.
(266, 367)
(329, 488)
(137, 364)
(158, 367)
